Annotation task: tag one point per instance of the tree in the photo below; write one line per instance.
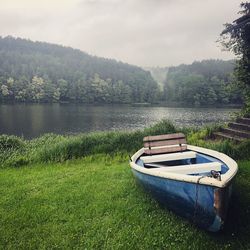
(36, 89)
(56, 95)
(236, 38)
(5, 91)
(63, 86)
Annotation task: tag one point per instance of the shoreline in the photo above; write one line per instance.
(17, 151)
(161, 104)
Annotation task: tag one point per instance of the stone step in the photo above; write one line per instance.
(234, 132)
(239, 126)
(244, 120)
(225, 136)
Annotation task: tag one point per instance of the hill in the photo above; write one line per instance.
(43, 72)
(208, 82)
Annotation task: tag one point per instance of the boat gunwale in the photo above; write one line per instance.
(225, 178)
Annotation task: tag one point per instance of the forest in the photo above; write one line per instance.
(42, 72)
(209, 82)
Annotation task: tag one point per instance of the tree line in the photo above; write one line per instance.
(209, 82)
(42, 72)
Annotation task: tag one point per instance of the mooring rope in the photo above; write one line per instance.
(196, 198)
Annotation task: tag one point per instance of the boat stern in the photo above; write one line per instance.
(221, 202)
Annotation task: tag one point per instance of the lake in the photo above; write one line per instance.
(32, 120)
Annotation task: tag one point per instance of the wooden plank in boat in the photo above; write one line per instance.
(190, 169)
(164, 143)
(156, 165)
(162, 150)
(163, 137)
(168, 157)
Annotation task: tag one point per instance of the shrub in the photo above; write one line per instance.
(11, 142)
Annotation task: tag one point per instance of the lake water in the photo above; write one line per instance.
(32, 120)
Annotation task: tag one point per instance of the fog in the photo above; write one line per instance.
(140, 32)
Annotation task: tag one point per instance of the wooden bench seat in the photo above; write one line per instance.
(168, 157)
(160, 144)
(189, 169)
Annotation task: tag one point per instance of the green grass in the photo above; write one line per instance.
(49, 148)
(52, 198)
(15, 151)
(95, 203)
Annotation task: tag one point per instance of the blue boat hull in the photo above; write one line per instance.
(204, 205)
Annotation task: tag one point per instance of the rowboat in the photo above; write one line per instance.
(194, 182)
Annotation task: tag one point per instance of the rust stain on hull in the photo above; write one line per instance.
(221, 200)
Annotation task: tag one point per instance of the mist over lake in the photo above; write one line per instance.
(32, 120)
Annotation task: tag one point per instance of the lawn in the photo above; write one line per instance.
(95, 203)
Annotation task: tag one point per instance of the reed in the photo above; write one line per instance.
(15, 151)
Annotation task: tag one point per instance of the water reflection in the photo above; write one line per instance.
(31, 120)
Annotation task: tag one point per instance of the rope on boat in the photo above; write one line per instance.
(214, 174)
(130, 158)
(196, 198)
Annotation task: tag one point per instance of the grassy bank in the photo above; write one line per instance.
(94, 203)
(15, 151)
(62, 192)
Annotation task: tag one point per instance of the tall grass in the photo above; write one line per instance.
(15, 151)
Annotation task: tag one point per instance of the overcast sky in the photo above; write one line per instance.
(140, 32)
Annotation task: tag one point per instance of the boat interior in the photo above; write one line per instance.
(169, 153)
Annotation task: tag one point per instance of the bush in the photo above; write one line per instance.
(11, 142)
